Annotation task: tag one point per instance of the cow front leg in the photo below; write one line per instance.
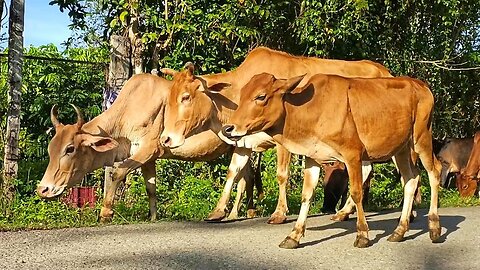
(349, 207)
(237, 164)
(149, 174)
(310, 181)
(146, 152)
(110, 188)
(354, 168)
(283, 164)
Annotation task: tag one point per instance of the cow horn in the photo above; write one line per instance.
(189, 66)
(80, 120)
(204, 83)
(54, 116)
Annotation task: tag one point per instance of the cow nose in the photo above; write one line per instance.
(43, 191)
(227, 130)
(166, 141)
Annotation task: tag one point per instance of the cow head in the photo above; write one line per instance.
(188, 106)
(261, 105)
(466, 184)
(72, 154)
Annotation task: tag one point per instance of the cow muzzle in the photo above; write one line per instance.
(172, 141)
(50, 191)
(230, 131)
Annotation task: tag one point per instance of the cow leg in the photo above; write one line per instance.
(354, 168)
(244, 184)
(106, 213)
(423, 147)
(283, 163)
(149, 174)
(349, 207)
(147, 151)
(238, 199)
(410, 177)
(310, 181)
(417, 197)
(237, 164)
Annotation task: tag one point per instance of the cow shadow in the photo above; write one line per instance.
(448, 223)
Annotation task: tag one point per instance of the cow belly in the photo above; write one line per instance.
(258, 142)
(317, 150)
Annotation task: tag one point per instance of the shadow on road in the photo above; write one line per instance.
(448, 223)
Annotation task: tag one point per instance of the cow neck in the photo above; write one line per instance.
(102, 125)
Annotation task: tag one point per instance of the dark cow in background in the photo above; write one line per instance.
(335, 186)
(453, 153)
(469, 176)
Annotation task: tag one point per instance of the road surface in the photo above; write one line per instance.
(248, 244)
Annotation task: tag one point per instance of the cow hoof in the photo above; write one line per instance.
(340, 217)
(106, 220)
(289, 243)
(216, 215)
(277, 218)
(106, 215)
(251, 213)
(232, 216)
(260, 196)
(361, 242)
(435, 234)
(153, 218)
(395, 237)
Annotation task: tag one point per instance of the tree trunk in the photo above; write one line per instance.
(1, 11)
(135, 39)
(119, 70)
(15, 61)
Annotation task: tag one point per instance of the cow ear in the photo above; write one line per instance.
(287, 86)
(211, 86)
(99, 143)
(169, 71)
(218, 87)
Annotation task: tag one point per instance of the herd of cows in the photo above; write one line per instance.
(341, 115)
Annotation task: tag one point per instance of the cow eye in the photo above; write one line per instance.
(70, 149)
(261, 97)
(185, 97)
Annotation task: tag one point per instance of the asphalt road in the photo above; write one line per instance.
(248, 244)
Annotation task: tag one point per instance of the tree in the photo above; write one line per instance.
(15, 61)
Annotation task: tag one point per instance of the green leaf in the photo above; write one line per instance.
(122, 16)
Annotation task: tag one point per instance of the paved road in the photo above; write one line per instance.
(248, 244)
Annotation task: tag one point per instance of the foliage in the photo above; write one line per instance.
(46, 83)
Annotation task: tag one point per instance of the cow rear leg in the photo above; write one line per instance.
(239, 160)
(283, 163)
(110, 188)
(411, 178)
(349, 207)
(433, 167)
(310, 181)
(149, 174)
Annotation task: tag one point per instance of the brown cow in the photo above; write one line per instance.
(191, 105)
(349, 120)
(128, 132)
(469, 176)
(453, 155)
